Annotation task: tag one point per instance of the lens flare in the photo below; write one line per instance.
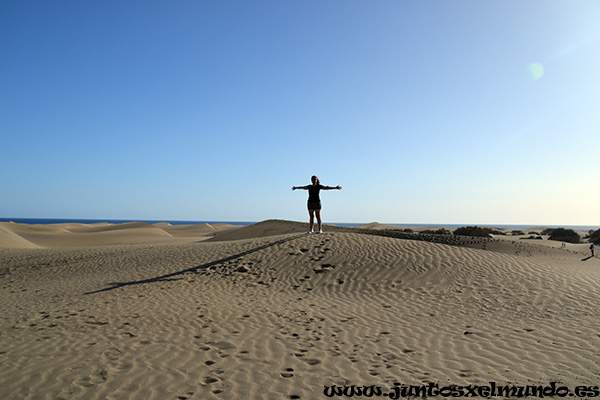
(536, 71)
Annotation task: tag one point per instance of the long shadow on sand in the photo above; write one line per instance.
(172, 275)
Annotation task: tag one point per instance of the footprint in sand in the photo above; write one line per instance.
(324, 268)
(112, 354)
(210, 379)
(96, 378)
(288, 373)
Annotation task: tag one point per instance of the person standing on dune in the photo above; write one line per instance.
(314, 201)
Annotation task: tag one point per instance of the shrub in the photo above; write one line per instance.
(517, 233)
(473, 231)
(564, 235)
(595, 237)
(440, 231)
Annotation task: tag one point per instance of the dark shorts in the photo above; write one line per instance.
(314, 206)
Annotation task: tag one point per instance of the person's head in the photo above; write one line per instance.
(314, 180)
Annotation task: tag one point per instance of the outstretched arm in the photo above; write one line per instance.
(338, 187)
(299, 187)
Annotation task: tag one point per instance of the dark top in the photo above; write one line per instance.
(313, 193)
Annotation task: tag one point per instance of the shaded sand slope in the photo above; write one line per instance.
(13, 235)
(8, 238)
(279, 317)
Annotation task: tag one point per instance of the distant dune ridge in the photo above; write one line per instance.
(102, 234)
(266, 311)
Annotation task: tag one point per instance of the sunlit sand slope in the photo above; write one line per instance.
(283, 315)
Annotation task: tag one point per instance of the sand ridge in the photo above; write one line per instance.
(16, 235)
(276, 314)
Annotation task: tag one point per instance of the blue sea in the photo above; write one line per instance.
(177, 222)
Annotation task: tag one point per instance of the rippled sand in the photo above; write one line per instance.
(269, 312)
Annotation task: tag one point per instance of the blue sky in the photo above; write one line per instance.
(475, 112)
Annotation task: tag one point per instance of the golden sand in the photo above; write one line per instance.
(140, 311)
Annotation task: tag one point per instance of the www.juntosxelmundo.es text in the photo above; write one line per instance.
(399, 390)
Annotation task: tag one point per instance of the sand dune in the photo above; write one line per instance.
(261, 229)
(8, 238)
(270, 312)
(13, 235)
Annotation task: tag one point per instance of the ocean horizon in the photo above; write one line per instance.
(46, 221)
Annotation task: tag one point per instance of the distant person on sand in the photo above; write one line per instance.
(592, 249)
(314, 202)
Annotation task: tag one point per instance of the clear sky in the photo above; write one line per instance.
(474, 112)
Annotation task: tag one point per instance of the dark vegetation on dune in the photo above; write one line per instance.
(594, 236)
(476, 231)
(533, 237)
(562, 235)
(440, 231)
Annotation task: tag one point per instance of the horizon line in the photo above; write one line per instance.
(191, 221)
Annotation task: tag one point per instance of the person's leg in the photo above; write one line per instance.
(312, 219)
(318, 212)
